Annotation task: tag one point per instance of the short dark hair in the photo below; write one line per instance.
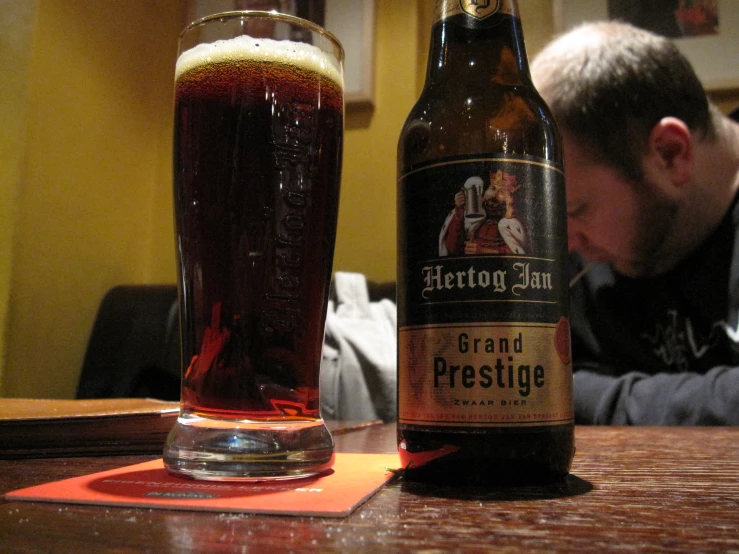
(609, 83)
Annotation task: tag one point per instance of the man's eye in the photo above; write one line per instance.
(576, 211)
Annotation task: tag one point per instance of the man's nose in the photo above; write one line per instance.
(576, 239)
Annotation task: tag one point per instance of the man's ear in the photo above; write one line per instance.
(670, 152)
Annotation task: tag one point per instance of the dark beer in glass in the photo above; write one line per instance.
(257, 164)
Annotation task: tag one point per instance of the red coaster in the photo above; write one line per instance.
(353, 479)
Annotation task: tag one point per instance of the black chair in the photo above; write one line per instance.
(134, 348)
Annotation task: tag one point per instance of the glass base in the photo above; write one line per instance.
(244, 450)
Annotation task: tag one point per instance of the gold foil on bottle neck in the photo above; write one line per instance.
(478, 9)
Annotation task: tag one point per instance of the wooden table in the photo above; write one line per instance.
(632, 489)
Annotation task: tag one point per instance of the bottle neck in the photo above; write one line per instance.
(477, 39)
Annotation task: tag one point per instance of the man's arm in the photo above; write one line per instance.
(663, 399)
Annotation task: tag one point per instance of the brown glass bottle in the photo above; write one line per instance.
(484, 370)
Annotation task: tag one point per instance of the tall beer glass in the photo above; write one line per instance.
(257, 165)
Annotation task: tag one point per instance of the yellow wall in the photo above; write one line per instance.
(365, 240)
(93, 208)
(16, 35)
(85, 172)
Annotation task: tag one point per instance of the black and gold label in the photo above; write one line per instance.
(483, 329)
(485, 375)
(478, 9)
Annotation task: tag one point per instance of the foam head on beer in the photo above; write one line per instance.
(244, 47)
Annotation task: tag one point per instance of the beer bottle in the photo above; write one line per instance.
(484, 370)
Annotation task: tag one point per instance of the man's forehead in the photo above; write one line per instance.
(578, 155)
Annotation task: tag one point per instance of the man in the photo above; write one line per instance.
(652, 176)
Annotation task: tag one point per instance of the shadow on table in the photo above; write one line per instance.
(571, 486)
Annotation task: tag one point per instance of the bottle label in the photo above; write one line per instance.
(484, 335)
(478, 9)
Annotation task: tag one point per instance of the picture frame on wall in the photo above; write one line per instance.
(704, 30)
(351, 21)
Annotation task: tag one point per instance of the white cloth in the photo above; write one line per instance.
(358, 376)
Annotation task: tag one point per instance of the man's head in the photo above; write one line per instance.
(629, 106)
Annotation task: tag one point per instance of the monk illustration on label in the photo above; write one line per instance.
(484, 223)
